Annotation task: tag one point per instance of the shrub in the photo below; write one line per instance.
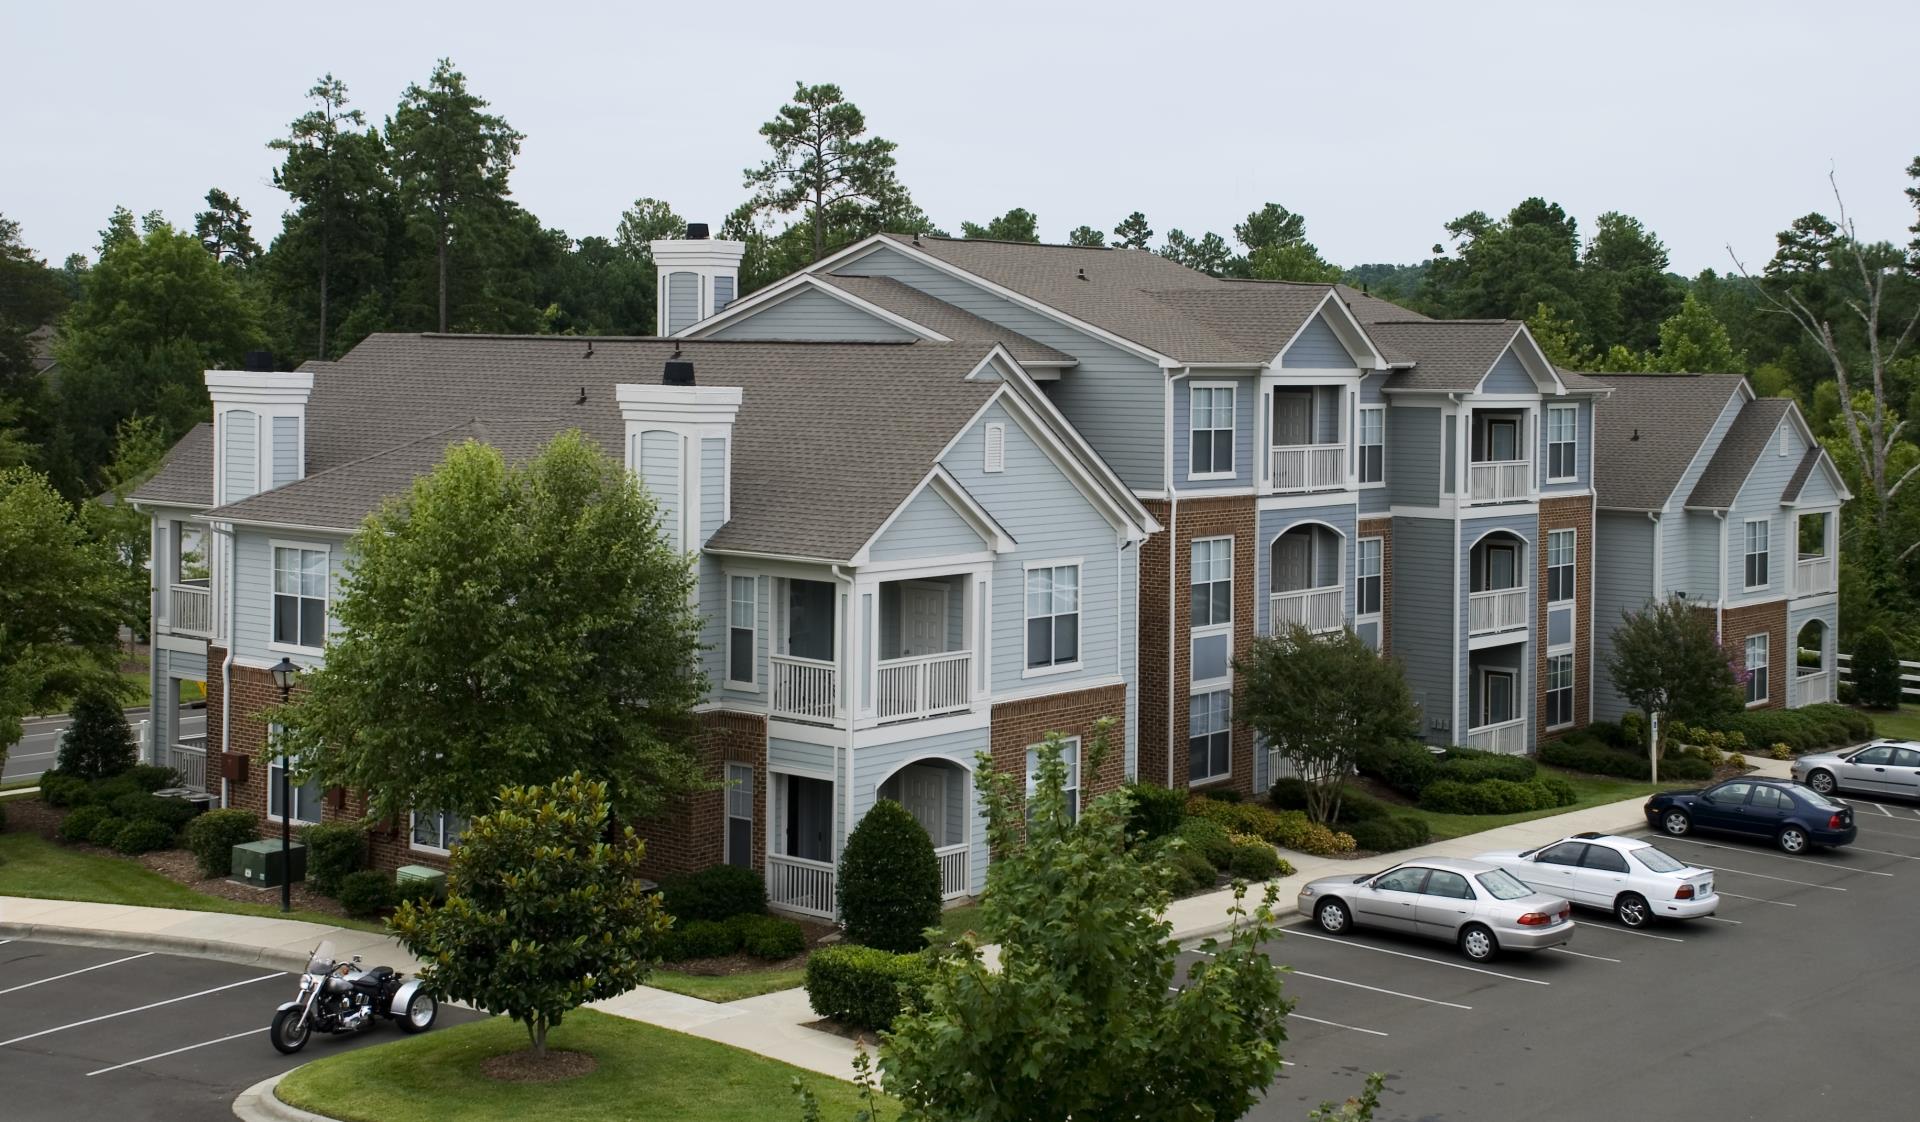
(1737, 760)
(150, 777)
(79, 823)
(1735, 741)
(1630, 733)
(1295, 831)
(57, 789)
(138, 807)
(1155, 811)
(1288, 794)
(889, 880)
(1403, 765)
(1848, 693)
(1209, 839)
(865, 987)
(706, 938)
(1383, 835)
(771, 937)
(1579, 754)
(98, 743)
(1470, 766)
(715, 893)
(1253, 858)
(367, 893)
(1780, 752)
(1358, 806)
(3, 818)
(213, 835)
(1236, 818)
(1224, 794)
(1876, 670)
(1489, 796)
(144, 834)
(1683, 767)
(106, 831)
(1558, 792)
(1710, 754)
(1192, 871)
(415, 892)
(1804, 730)
(334, 851)
(107, 790)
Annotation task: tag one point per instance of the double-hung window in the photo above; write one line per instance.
(742, 624)
(1211, 421)
(740, 815)
(1758, 532)
(437, 830)
(1370, 593)
(1053, 616)
(1210, 736)
(1559, 690)
(1756, 668)
(1070, 756)
(1563, 442)
(299, 597)
(1212, 582)
(1560, 565)
(1371, 441)
(306, 796)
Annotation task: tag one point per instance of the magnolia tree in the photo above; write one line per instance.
(1668, 663)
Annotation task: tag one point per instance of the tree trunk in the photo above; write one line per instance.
(537, 1029)
(443, 280)
(321, 353)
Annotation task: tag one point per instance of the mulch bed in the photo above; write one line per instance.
(522, 1067)
(179, 865)
(30, 815)
(866, 1039)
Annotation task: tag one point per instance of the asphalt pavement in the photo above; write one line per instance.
(36, 749)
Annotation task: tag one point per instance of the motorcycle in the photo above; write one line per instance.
(340, 997)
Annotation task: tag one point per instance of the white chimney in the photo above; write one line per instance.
(259, 430)
(698, 277)
(680, 443)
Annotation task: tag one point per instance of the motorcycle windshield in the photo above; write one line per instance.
(323, 958)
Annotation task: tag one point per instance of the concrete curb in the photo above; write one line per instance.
(217, 949)
(259, 1103)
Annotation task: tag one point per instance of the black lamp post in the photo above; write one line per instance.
(283, 672)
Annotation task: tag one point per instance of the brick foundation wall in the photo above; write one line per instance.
(1382, 528)
(1738, 623)
(692, 835)
(1019, 725)
(1574, 514)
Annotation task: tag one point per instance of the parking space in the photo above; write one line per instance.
(90, 1033)
(1794, 1000)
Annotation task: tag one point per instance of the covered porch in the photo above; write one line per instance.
(1497, 584)
(1308, 563)
(1813, 664)
(1308, 450)
(1499, 717)
(800, 844)
(917, 660)
(187, 589)
(1498, 467)
(939, 795)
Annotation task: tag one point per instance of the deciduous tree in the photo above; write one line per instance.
(1017, 225)
(1667, 661)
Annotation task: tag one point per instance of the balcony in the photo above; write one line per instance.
(800, 885)
(1812, 576)
(805, 689)
(1815, 687)
(1497, 609)
(1509, 738)
(1499, 481)
(955, 877)
(190, 609)
(188, 758)
(1309, 467)
(925, 686)
(1316, 609)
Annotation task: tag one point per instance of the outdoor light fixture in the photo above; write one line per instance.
(283, 672)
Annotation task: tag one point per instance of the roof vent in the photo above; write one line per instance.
(259, 362)
(679, 372)
(696, 231)
(1082, 274)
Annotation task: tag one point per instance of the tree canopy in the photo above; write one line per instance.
(1667, 661)
(821, 165)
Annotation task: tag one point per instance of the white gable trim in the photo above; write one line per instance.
(793, 286)
(1354, 337)
(942, 483)
(1545, 378)
(1825, 463)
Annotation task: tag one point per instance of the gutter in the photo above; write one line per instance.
(231, 559)
(1720, 605)
(842, 573)
(1173, 571)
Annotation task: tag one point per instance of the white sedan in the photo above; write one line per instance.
(1635, 881)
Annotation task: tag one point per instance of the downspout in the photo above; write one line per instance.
(231, 559)
(840, 573)
(1462, 441)
(1720, 604)
(1173, 570)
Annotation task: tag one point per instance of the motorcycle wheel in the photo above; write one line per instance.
(288, 1034)
(421, 1012)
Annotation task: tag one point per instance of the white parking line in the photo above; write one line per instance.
(176, 1051)
(1769, 876)
(1756, 899)
(1415, 957)
(1782, 857)
(139, 1009)
(1583, 954)
(1334, 1024)
(1377, 989)
(71, 973)
(1721, 919)
(1883, 853)
(1591, 926)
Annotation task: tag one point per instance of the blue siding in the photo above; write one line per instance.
(1413, 455)
(722, 293)
(659, 462)
(242, 458)
(713, 486)
(683, 301)
(1583, 449)
(813, 315)
(875, 764)
(1760, 498)
(1341, 517)
(286, 450)
(1317, 347)
(253, 592)
(712, 598)
(1819, 490)
(1426, 610)
(1245, 393)
(1508, 377)
(1527, 526)
(926, 527)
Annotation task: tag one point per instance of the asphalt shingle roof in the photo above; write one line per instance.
(1648, 430)
(932, 312)
(1733, 461)
(1450, 355)
(1801, 474)
(185, 477)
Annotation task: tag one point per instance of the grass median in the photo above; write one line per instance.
(642, 1072)
(1904, 724)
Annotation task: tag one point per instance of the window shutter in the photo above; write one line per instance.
(996, 448)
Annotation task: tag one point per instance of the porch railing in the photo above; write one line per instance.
(806, 688)
(1509, 738)
(190, 609)
(800, 885)
(188, 758)
(1499, 480)
(1815, 687)
(1317, 609)
(1309, 467)
(1497, 609)
(954, 879)
(924, 685)
(1813, 575)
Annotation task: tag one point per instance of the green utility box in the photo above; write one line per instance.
(259, 863)
(407, 876)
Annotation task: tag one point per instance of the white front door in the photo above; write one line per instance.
(923, 619)
(923, 791)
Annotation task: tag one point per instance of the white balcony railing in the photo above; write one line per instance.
(188, 759)
(190, 609)
(1815, 687)
(1813, 575)
(1316, 609)
(1309, 467)
(800, 885)
(1499, 481)
(954, 879)
(806, 688)
(1509, 738)
(1498, 609)
(924, 686)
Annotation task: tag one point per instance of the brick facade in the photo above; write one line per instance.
(1576, 514)
(1382, 528)
(1771, 617)
(693, 834)
(1235, 517)
(1019, 725)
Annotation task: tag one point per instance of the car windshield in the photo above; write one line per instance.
(1658, 860)
(1503, 885)
(1814, 798)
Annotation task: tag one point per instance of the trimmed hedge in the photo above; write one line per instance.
(866, 987)
(1468, 765)
(144, 834)
(1804, 730)
(1212, 841)
(1403, 765)
(213, 835)
(1192, 871)
(705, 938)
(80, 821)
(1301, 834)
(1288, 794)
(1254, 859)
(61, 790)
(367, 893)
(143, 807)
(715, 893)
(1383, 835)
(1584, 754)
(149, 777)
(335, 851)
(106, 831)
(1154, 811)
(771, 937)
(1489, 796)
(1357, 806)
(889, 880)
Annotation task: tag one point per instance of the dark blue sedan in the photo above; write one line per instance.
(1795, 818)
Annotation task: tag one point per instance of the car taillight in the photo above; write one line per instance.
(1535, 919)
(1685, 893)
(1834, 823)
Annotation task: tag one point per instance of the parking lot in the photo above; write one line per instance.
(88, 1033)
(1796, 1001)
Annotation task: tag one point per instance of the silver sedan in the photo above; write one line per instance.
(1481, 908)
(1885, 767)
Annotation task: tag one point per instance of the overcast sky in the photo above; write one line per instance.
(1380, 121)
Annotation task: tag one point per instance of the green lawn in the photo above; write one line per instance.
(644, 1072)
(1593, 791)
(727, 987)
(1904, 724)
(31, 865)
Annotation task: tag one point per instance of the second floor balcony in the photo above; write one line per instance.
(1309, 440)
(1308, 588)
(1497, 596)
(1498, 467)
(190, 608)
(923, 665)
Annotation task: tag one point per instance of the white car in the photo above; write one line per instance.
(1635, 881)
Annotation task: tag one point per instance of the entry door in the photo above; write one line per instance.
(923, 619)
(1503, 567)
(1293, 563)
(1292, 418)
(1496, 697)
(809, 818)
(923, 791)
(1503, 440)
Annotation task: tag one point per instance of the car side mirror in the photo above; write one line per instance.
(1706, 798)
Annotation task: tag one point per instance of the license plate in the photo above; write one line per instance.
(1706, 889)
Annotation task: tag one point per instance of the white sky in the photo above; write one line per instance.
(1712, 122)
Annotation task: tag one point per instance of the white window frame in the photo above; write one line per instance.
(1360, 574)
(1360, 446)
(1070, 754)
(1212, 777)
(1572, 565)
(274, 546)
(1765, 640)
(1232, 391)
(413, 822)
(994, 449)
(1078, 565)
(739, 784)
(1194, 581)
(1748, 553)
(277, 764)
(728, 681)
(1552, 656)
(1572, 413)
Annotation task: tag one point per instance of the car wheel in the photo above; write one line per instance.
(1793, 840)
(1332, 915)
(1821, 781)
(1676, 822)
(1477, 943)
(289, 1034)
(421, 1011)
(1631, 909)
